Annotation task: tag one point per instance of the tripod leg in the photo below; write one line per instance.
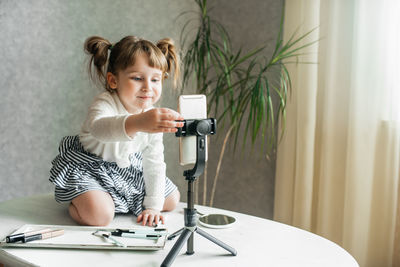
(190, 250)
(217, 241)
(176, 248)
(173, 235)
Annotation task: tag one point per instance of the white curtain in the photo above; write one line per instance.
(338, 162)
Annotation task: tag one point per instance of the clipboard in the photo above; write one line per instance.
(81, 237)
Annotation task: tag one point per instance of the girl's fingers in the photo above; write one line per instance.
(156, 219)
(163, 130)
(168, 130)
(151, 219)
(170, 114)
(171, 117)
(171, 124)
(164, 110)
(145, 217)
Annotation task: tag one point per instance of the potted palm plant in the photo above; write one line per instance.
(241, 88)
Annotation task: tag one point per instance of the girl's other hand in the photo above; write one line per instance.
(160, 120)
(149, 216)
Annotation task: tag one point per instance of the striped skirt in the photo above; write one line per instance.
(76, 171)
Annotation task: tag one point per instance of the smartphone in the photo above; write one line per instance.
(191, 107)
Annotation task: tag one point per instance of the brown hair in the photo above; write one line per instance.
(123, 54)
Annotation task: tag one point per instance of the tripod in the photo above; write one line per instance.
(200, 128)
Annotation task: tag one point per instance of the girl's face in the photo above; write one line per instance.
(139, 86)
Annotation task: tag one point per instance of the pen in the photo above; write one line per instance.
(42, 236)
(20, 236)
(116, 242)
(134, 235)
(142, 231)
(108, 236)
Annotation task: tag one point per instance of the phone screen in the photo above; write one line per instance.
(191, 107)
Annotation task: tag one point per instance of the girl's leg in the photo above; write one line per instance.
(171, 201)
(73, 212)
(94, 208)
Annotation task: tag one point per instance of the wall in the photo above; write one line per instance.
(44, 83)
(45, 90)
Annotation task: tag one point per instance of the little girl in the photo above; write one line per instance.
(116, 163)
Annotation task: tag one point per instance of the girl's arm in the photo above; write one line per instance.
(154, 172)
(157, 120)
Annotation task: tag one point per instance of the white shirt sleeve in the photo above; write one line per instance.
(154, 171)
(104, 124)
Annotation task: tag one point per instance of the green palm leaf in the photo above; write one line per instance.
(237, 84)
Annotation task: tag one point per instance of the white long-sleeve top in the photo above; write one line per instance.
(103, 134)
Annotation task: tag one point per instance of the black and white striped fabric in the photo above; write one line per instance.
(76, 171)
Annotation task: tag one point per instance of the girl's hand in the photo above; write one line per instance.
(149, 216)
(160, 120)
(157, 120)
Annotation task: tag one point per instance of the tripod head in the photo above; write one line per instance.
(199, 128)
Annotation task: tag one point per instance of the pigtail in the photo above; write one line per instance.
(168, 48)
(98, 48)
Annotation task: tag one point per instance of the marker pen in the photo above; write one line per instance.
(42, 236)
(134, 235)
(143, 231)
(20, 236)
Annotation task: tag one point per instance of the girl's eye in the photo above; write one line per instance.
(155, 80)
(136, 78)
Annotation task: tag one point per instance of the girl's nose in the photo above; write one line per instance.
(146, 86)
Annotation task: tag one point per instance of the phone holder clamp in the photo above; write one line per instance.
(199, 128)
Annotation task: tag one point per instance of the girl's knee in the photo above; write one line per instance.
(171, 201)
(94, 208)
(99, 216)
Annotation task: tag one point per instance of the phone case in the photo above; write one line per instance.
(191, 107)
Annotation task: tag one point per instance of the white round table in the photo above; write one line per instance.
(259, 242)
